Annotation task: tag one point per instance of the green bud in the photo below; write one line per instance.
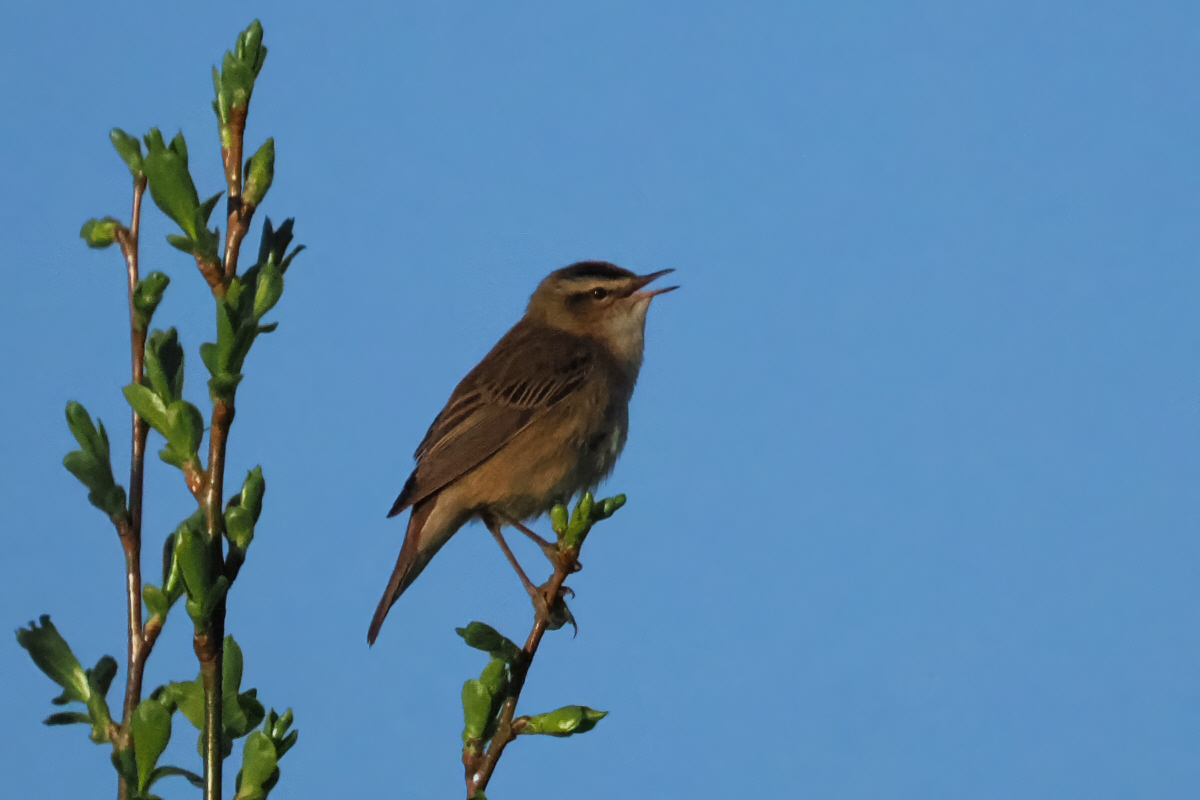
(565, 721)
(558, 519)
(488, 639)
(494, 676)
(239, 526)
(268, 289)
(253, 488)
(477, 706)
(146, 296)
(583, 510)
(259, 172)
(608, 507)
(129, 149)
(100, 233)
(234, 83)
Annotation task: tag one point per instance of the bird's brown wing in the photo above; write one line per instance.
(532, 368)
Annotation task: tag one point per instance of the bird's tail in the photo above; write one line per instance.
(415, 553)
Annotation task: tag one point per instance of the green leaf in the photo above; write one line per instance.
(195, 560)
(253, 488)
(268, 290)
(53, 656)
(172, 576)
(100, 676)
(283, 266)
(100, 233)
(179, 147)
(274, 243)
(129, 149)
(146, 296)
(494, 676)
(151, 731)
(163, 772)
(565, 721)
(171, 185)
(183, 243)
(477, 706)
(67, 718)
(183, 428)
(259, 765)
(189, 697)
(259, 173)
(204, 609)
(243, 713)
(206, 209)
(155, 600)
(239, 526)
(226, 335)
(208, 355)
(488, 639)
(164, 365)
(231, 667)
(173, 191)
(481, 699)
(91, 464)
(148, 405)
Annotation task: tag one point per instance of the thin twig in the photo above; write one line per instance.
(238, 212)
(209, 643)
(130, 529)
(477, 778)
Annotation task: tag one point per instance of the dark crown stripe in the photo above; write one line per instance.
(594, 269)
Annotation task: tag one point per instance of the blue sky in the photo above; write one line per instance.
(912, 465)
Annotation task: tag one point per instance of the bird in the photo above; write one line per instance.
(541, 418)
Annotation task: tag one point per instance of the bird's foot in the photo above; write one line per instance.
(556, 613)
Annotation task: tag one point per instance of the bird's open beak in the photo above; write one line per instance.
(645, 279)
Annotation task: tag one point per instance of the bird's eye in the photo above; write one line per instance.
(599, 293)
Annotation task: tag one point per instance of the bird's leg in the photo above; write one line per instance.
(549, 549)
(494, 528)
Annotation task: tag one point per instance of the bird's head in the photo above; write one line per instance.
(598, 299)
